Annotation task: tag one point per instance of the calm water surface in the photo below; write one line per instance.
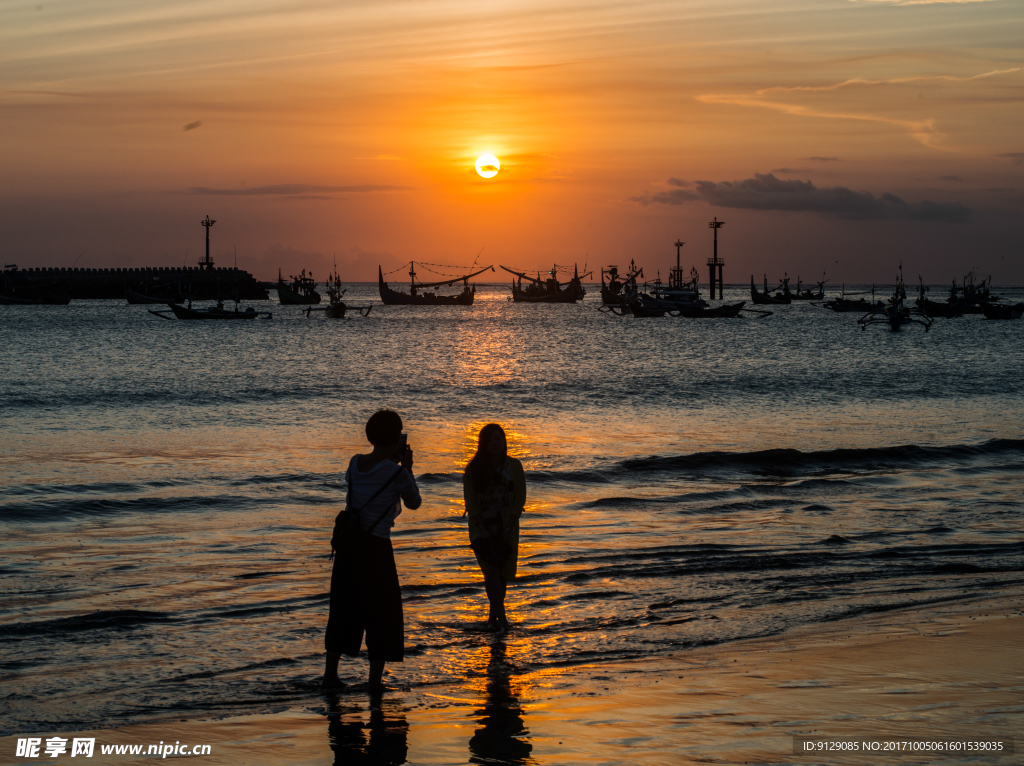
(168, 489)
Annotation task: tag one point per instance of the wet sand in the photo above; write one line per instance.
(943, 672)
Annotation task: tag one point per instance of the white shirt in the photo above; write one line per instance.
(387, 505)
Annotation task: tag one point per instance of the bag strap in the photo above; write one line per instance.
(382, 488)
(373, 497)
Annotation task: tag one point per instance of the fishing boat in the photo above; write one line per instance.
(135, 297)
(896, 314)
(807, 295)
(842, 304)
(613, 293)
(1002, 310)
(548, 290)
(211, 312)
(934, 309)
(46, 292)
(337, 308)
(725, 311)
(765, 298)
(53, 299)
(301, 291)
(415, 296)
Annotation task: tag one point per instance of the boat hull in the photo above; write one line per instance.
(288, 297)
(184, 312)
(1002, 311)
(53, 300)
(572, 293)
(391, 297)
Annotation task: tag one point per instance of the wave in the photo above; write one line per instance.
(788, 463)
(120, 619)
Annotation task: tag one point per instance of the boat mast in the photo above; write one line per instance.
(412, 278)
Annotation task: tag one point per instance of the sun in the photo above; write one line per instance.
(487, 165)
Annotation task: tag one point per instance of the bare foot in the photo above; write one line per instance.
(330, 683)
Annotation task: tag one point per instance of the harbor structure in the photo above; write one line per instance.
(715, 262)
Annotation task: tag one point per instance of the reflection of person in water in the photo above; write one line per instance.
(494, 487)
(502, 738)
(383, 741)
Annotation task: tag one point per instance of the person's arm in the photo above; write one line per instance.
(408, 490)
(518, 488)
(472, 499)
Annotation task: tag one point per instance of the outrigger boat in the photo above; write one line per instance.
(301, 292)
(1002, 310)
(765, 299)
(54, 299)
(547, 290)
(807, 295)
(613, 293)
(934, 309)
(337, 308)
(47, 293)
(391, 297)
(896, 314)
(211, 312)
(136, 298)
(842, 304)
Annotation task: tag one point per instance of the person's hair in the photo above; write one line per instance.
(384, 427)
(479, 471)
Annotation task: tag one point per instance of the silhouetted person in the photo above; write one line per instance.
(365, 593)
(494, 487)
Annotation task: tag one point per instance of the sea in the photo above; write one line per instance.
(168, 490)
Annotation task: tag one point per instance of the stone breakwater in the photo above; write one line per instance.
(157, 281)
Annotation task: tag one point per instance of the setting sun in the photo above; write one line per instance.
(487, 165)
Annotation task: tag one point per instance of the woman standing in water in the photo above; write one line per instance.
(494, 487)
(365, 594)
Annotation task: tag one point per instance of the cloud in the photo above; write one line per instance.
(766, 192)
(790, 171)
(293, 189)
(1017, 157)
(923, 2)
(922, 130)
(192, 125)
(956, 179)
(678, 182)
(822, 159)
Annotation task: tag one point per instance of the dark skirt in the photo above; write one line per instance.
(366, 598)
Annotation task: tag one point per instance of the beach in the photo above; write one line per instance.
(716, 554)
(955, 674)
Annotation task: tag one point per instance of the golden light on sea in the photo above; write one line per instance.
(487, 165)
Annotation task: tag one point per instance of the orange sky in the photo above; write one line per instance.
(830, 135)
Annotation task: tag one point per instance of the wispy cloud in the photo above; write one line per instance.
(923, 130)
(1017, 157)
(766, 192)
(295, 189)
(822, 159)
(192, 125)
(922, 2)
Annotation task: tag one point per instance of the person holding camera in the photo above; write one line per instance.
(494, 487)
(365, 593)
